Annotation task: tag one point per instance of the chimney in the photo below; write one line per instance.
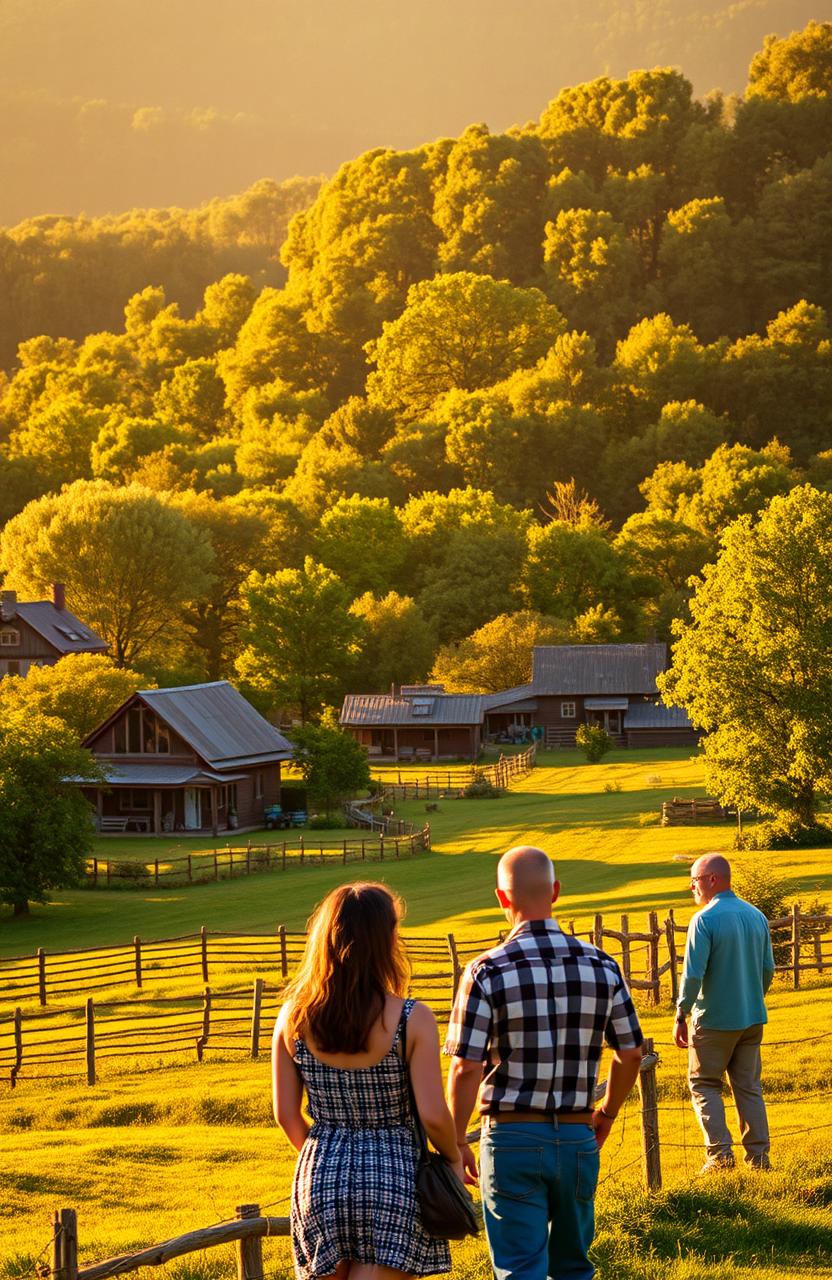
(8, 605)
(59, 595)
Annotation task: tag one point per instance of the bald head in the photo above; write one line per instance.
(526, 877)
(712, 864)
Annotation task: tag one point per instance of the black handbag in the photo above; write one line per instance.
(446, 1206)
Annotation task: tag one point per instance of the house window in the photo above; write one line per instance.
(163, 740)
(567, 710)
(120, 737)
(9, 638)
(135, 799)
(258, 786)
(12, 667)
(134, 731)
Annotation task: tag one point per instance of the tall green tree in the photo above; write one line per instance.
(81, 690)
(300, 639)
(398, 643)
(753, 667)
(362, 540)
(45, 823)
(129, 560)
(498, 655)
(458, 331)
(334, 766)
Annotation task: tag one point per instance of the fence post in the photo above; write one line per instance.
(90, 1040)
(206, 1024)
(381, 846)
(625, 947)
(108, 873)
(17, 1026)
(95, 873)
(670, 931)
(190, 870)
(650, 1123)
(345, 853)
(796, 946)
(396, 843)
(454, 961)
(64, 1245)
(284, 959)
(283, 854)
(137, 949)
(654, 994)
(41, 975)
(363, 852)
(255, 1016)
(598, 933)
(250, 1251)
(301, 848)
(216, 865)
(203, 944)
(156, 872)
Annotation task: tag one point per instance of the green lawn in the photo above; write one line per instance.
(151, 1152)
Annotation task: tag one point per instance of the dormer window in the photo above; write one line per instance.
(9, 638)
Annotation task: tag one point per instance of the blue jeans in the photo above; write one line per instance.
(538, 1195)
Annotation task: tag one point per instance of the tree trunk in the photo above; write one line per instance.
(21, 908)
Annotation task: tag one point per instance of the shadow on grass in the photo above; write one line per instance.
(740, 1219)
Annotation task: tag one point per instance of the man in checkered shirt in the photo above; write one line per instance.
(526, 1033)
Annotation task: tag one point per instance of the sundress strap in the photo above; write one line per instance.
(403, 1017)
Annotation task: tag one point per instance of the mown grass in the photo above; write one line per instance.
(155, 1150)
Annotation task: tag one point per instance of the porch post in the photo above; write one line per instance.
(99, 805)
(436, 744)
(214, 822)
(157, 812)
(395, 743)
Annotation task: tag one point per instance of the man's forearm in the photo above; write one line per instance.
(622, 1075)
(463, 1086)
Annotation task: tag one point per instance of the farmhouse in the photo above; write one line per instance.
(612, 685)
(197, 758)
(421, 722)
(36, 633)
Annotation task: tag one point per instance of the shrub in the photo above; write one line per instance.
(611, 788)
(594, 741)
(759, 883)
(323, 823)
(481, 788)
(784, 832)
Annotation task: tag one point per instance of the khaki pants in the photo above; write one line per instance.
(711, 1054)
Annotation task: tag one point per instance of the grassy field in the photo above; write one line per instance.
(150, 1153)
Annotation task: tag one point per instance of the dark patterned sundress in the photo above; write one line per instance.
(353, 1191)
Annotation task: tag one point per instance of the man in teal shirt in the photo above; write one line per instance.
(728, 968)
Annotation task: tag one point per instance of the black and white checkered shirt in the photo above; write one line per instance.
(536, 1010)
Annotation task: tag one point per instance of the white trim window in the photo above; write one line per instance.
(9, 638)
(567, 710)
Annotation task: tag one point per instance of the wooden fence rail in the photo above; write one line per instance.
(396, 839)
(501, 773)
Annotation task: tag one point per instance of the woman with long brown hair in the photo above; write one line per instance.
(354, 1210)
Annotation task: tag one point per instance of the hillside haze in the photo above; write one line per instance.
(110, 106)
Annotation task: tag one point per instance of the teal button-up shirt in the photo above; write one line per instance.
(729, 965)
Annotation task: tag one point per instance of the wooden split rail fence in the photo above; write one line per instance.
(438, 782)
(73, 1037)
(395, 840)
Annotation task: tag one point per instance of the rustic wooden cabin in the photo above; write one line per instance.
(198, 759)
(36, 633)
(612, 685)
(419, 723)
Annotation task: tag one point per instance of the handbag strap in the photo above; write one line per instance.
(414, 1110)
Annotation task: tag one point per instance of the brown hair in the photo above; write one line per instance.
(353, 958)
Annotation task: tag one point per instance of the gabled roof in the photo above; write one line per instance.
(506, 697)
(382, 709)
(216, 721)
(597, 668)
(58, 627)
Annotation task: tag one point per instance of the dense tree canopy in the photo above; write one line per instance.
(628, 299)
(81, 690)
(754, 664)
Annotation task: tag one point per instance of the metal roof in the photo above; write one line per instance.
(221, 726)
(161, 775)
(606, 704)
(56, 626)
(655, 715)
(383, 709)
(585, 669)
(520, 693)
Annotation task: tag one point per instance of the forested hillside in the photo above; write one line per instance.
(529, 374)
